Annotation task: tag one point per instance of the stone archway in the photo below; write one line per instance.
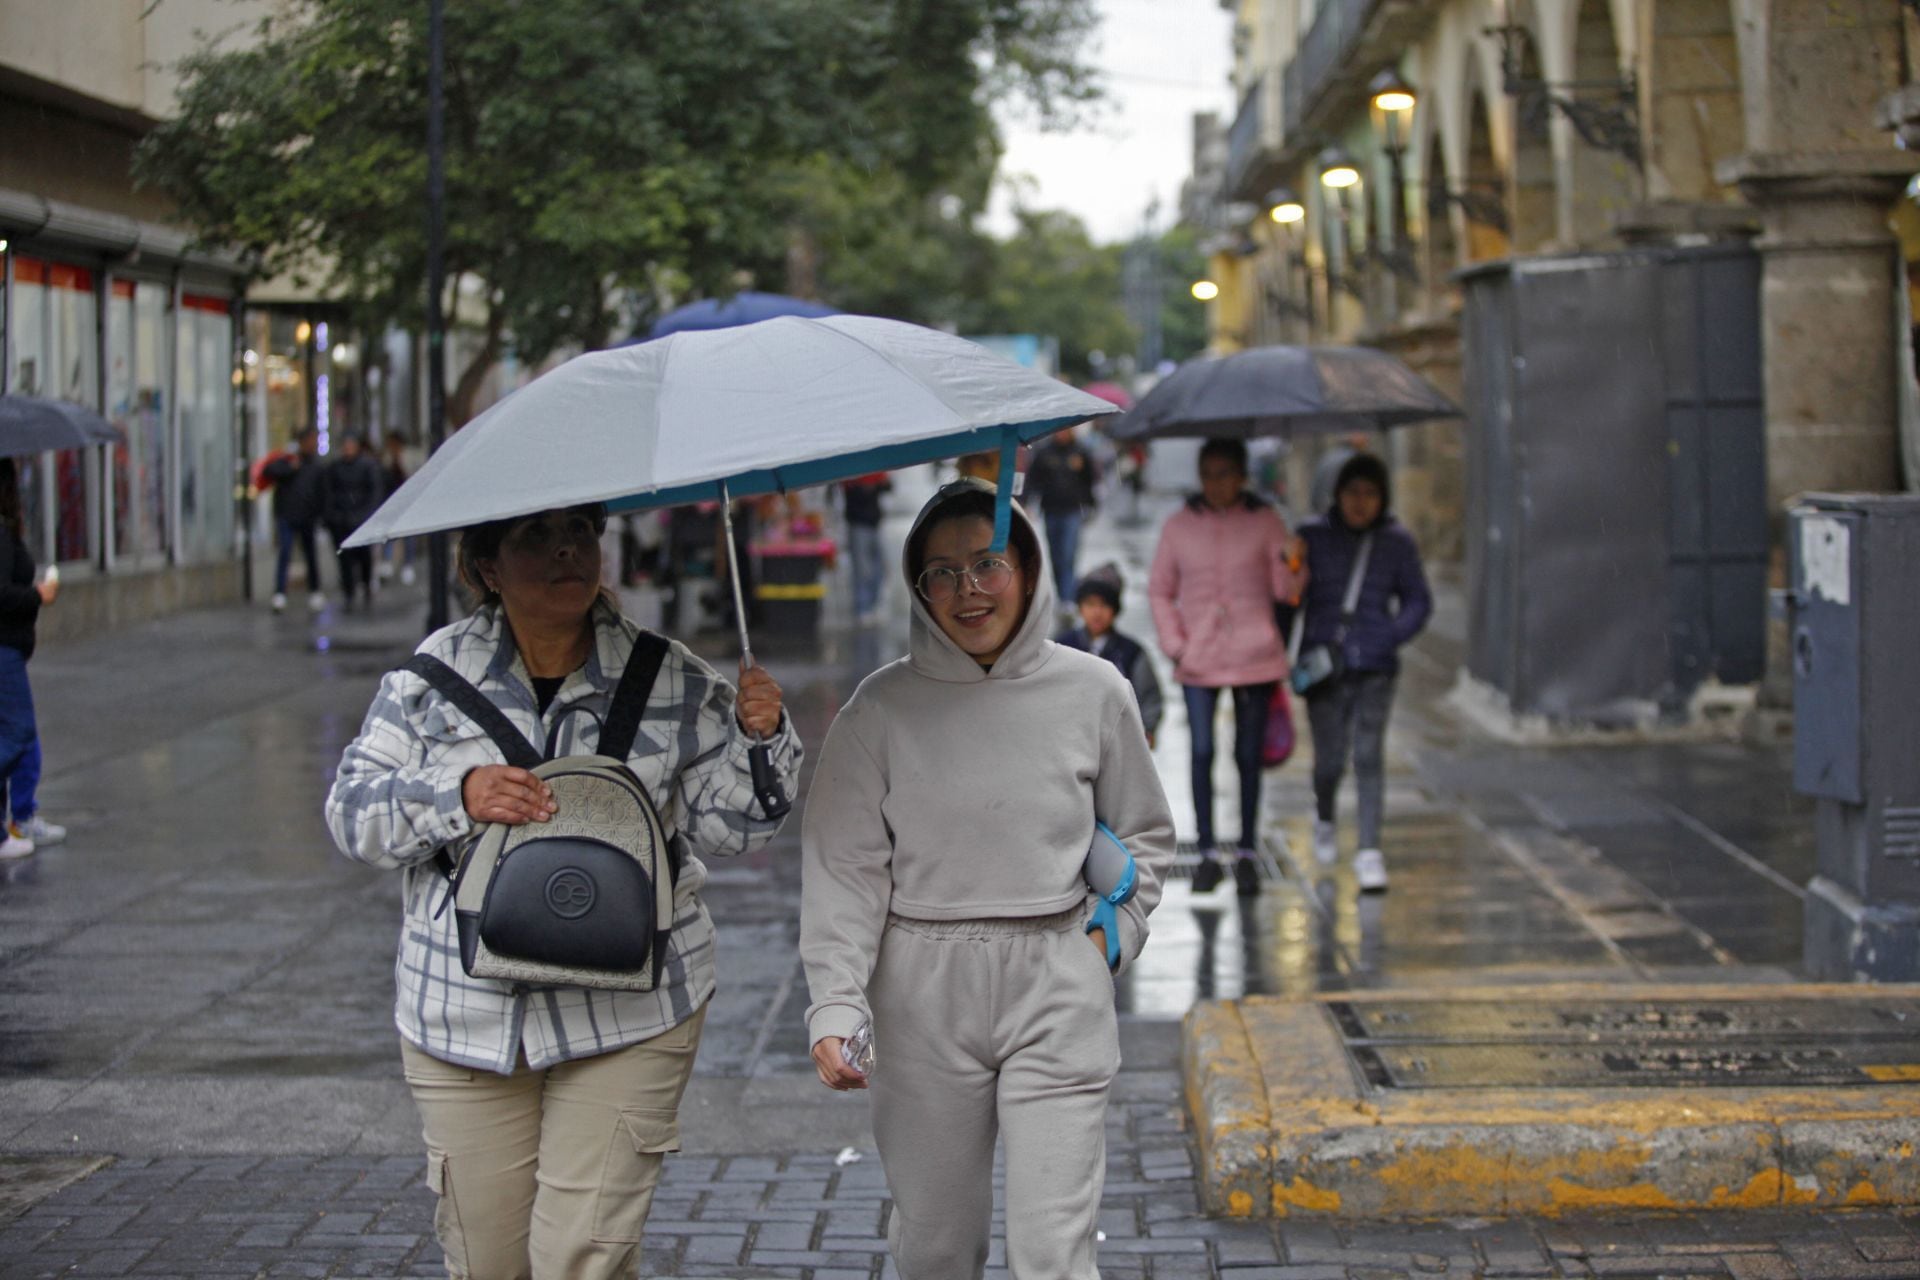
(1604, 183)
(1692, 100)
(1482, 195)
(1441, 252)
(1535, 184)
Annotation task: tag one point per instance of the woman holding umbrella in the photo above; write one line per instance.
(1223, 562)
(21, 600)
(547, 1111)
(1368, 598)
(943, 902)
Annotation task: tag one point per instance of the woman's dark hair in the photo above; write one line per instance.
(1365, 466)
(969, 501)
(10, 514)
(1227, 450)
(482, 542)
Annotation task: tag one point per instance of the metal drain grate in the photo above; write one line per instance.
(1632, 1043)
(1186, 857)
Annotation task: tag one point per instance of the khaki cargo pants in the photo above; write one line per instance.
(549, 1174)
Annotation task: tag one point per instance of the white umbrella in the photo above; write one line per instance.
(725, 413)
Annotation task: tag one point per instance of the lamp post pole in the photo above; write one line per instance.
(437, 585)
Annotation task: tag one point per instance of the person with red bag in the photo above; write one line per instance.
(1223, 562)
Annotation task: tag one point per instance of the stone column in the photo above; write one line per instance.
(1829, 268)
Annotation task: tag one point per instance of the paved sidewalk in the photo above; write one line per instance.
(198, 1070)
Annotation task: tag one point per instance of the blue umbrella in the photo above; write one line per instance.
(746, 307)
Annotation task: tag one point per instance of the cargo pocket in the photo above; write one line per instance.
(641, 1136)
(446, 1213)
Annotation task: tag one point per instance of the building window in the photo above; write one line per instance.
(207, 450)
(137, 348)
(56, 355)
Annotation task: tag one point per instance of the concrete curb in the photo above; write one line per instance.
(1287, 1128)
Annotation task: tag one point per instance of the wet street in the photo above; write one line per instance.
(199, 1072)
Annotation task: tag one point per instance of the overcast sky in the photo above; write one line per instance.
(1163, 60)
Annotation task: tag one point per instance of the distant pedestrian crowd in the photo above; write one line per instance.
(312, 492)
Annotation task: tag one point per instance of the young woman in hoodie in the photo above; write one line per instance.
(943, 900)
(1348, 712)
(1222, 564)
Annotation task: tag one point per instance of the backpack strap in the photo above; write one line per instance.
(476, 706)
(630, 696)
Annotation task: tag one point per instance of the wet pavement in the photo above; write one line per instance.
(198, 1071)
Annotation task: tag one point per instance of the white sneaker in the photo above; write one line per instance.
(1370, 871)
(316, 602)
(279, 601)
(38, 830)
(1326, 843)
(15, 847)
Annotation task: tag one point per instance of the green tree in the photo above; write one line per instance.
(601, 154)
(1183, 318)
(1050, 278)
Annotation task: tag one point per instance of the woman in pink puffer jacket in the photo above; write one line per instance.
(1222, 563)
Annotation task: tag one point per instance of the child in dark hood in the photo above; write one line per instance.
(1358, 537)
(1097, 597)
(943, 902)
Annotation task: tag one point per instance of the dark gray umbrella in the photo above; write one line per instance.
(1279, 391)
(30, 425)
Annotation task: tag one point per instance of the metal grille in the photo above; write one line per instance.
(1631, 1043)
(1186, 857)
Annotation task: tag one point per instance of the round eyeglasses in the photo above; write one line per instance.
(989, 577)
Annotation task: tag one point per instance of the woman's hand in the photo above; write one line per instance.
(1099, 937)
(832, 1066)
(502, 793)
(758, 708)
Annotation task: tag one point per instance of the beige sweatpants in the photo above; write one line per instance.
(985, 1027)
(549, 1174)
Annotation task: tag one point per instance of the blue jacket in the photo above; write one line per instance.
(1394, 600)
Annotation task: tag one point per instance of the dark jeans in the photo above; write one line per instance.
(356, 567)
(305, 535)
(1350, 713)
(23, 784)
(1063, 547)
(1250, 703)
(18, 731)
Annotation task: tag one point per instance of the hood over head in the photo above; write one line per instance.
(1365, 466)
(929, 649)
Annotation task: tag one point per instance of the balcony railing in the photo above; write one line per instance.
(1323, 53)
(1254, 142)
(1243, 139)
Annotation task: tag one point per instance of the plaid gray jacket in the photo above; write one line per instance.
(396, 801)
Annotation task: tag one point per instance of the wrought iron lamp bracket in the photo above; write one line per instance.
(1488, 208)
(1605, 113)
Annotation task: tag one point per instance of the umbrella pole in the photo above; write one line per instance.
(766, 783)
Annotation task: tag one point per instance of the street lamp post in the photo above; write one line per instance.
(437, 585)
(1287, 211)
(1338, 174)
(1394, 99)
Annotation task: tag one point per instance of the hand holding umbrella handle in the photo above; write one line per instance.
(766, 783)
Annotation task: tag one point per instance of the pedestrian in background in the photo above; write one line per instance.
(21, 600)
(398, 554)
(869, 562)
(943, 902)
(352, 488)
(296, 476)
(547, 1112)
(1358, 552)
(1326, 469)
(1222, 564)
(1097, 597)
(1062, 477)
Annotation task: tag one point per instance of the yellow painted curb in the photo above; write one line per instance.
(1287, 1127)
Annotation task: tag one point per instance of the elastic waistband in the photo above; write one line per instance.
(989, 927)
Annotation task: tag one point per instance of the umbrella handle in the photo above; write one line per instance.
(766, 782)
(1003, 494)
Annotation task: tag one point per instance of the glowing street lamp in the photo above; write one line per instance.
(1337, 169)
(1205, 290)
(1392, 94)
(1284, 207)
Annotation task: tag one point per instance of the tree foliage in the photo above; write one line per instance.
(599, 152)
(1050, 278)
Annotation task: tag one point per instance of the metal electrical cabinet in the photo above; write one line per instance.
(1856, 702)
(1616, 480)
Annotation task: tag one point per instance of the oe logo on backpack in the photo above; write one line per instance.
(584, 899)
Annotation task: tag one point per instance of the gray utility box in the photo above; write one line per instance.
(1856, 744)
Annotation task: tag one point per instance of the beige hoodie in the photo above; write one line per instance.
(946, 792)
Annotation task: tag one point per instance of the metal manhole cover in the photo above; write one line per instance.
(1186, 857)
(1632, 1043)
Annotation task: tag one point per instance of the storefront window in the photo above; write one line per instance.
(136, 403)
(56, 355)
(206, 428)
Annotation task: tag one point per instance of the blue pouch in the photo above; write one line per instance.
(1109, 872)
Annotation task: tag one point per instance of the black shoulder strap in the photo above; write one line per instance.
(456, 689)
(631, 694)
